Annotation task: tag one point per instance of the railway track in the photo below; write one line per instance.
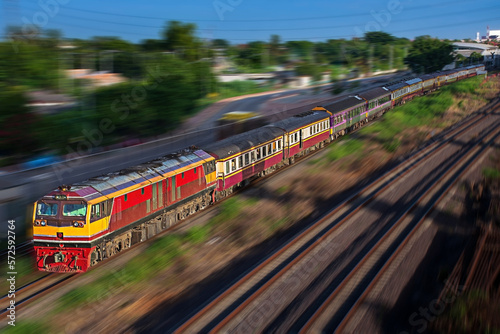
(375, 266)
(229, 309)
(22, 249)
(34, 290)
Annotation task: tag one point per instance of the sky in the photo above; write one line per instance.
(241, 21)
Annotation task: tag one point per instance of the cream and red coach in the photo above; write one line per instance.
(261, 151)
(76, 226)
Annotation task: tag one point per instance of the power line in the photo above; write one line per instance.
(288, 39)
(256, 20)
(284, 29)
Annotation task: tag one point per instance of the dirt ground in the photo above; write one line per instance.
(279, 207)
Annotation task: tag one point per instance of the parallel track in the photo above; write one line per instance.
(225, 307)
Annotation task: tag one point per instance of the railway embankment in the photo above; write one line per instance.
(177, 271)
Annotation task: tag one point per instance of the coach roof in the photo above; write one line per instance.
(344, 104)
(374, 93)
(242, 142)
(300, 120)
(396, 86)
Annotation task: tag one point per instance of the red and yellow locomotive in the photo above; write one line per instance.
(77, 226)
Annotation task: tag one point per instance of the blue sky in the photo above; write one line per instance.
(240, 21)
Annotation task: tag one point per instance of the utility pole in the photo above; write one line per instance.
(391, 54)
(370, 61)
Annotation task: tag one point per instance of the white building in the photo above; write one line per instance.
(493, 34)
(485, 50)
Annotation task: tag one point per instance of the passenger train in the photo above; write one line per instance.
(78, 225)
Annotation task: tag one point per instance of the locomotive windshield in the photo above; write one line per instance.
(46, 209)
(74, 210)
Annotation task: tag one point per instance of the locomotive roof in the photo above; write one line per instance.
(374, 93)
(139, 175)
(343, 104)
(242, 142)
(300, 120)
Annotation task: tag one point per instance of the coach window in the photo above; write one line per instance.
(258, 153)
(253, 155)
(296, 137)
(233, 165)
(247, 159)
(279, 144)
(240, 161)
(227, 167)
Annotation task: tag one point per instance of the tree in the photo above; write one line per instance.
(152, 45)
(220, 43)
(180, 38)
(476, 57)
(378, 37)
(301, 49)
(429, 54)
(309, 69)
(18, 126)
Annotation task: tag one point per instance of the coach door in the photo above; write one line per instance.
(157, 196)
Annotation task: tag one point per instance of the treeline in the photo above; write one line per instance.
(168, 79)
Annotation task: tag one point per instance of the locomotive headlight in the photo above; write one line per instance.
(78, 223)
(37, 223)
(43, 223)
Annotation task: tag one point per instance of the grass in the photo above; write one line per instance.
(418, 112)
(344, 148)
(232, 89)
(278, 224)
(23, 327)
(491, 173)
(158, 256)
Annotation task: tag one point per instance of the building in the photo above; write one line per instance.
(486, 50)
(491, 35)
(96, 79)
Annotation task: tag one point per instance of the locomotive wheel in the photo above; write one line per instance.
(126, 243)
(94, 258)
(109, 250)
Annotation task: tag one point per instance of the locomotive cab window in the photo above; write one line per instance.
(95, 212)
